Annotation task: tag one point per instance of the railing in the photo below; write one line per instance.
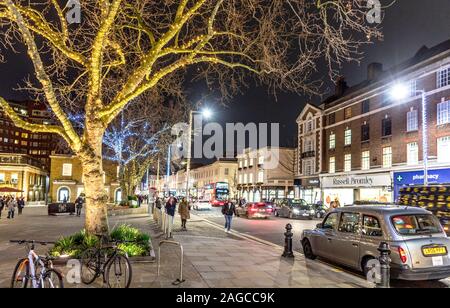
(20, 160)
(178, 280)
(308, 154)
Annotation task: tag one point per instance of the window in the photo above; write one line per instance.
(308, 167)
(365, 132)
(371, 226)
(348, 113)
(227, 171)
(246, 163)
(416, 224)
(386, 127)
(349, 223)
(348, 137)
(250, 178)
(332, 141)
(348, 162)
(240, 178)
(365, 106)
(63, 194)
(14, 178)
(332, 165)
(412, 153)
(331, 221)
(245, 178)
(251, 162)
(261, 160)
(67, 170)
(444, 149)
(443, 113)
(309, 145)
(387, 157)
(2, 177)
(412, 87)
(365, 160)
(261, 176)
(240, 164)
(309, 126)
(412, 121)
(443, 78)
(331, 119)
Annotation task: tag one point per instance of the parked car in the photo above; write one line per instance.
(294, 208)
(319, 210)
(255, 210)
(351, 235)
(202, 205)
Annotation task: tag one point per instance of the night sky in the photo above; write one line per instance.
(407, 25)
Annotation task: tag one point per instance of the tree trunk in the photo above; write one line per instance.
(96, 196)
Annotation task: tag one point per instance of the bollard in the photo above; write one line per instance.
(288, 253)
(385, 267)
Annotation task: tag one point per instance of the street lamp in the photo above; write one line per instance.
(401, 91)
(206, 113)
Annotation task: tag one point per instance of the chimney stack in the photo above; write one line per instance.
(374, 70)
(341, 86)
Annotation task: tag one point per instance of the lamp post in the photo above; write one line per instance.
(399, 92)
(206, 113)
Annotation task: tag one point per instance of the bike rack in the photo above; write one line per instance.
(179, 280)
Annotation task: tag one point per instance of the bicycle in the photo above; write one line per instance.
(106, 261)
(37, 269)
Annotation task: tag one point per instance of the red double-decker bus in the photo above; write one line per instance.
(216, 193)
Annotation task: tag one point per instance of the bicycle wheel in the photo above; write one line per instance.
(21, 274)
(90, 266)
(118, 272)
(52, 279)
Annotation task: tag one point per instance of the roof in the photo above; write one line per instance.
(377, 209)
(421, 57)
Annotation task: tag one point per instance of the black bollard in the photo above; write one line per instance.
(385, 267)
(288, 253)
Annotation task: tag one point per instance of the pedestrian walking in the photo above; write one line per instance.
(170, 211)
(12, 204)
(2, 206)
(20, 204)
(79, 205)
(228, 210)
(184, 209)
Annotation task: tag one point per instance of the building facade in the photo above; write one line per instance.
(24, 174)
(309, 153)
(16, 140)
(66, 179)
(266, 174)
(373, 144)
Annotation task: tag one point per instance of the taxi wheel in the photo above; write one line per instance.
(307, 250)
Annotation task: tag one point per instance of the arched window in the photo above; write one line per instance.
(118, 195)
(63, 194)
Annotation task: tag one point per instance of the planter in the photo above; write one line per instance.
(62, 261)
(128, 211)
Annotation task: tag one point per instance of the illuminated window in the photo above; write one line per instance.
(444, 149)
(412, 121)
(332, 165)
(443, 79)
(332, 141)
(348, 162)
(387, 157)
(412, 153)
(348, 137)
(365, 160)
(67, 170)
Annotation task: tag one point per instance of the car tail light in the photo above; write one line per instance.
(402, 254)
(446, 228)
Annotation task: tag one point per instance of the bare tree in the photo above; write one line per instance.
(124, 48)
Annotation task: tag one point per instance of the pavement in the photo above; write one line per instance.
(212, 258)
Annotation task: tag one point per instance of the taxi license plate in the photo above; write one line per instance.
(434, 251)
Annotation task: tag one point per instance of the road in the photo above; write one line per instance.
(272, 230)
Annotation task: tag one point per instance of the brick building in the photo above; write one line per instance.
(372, 144)
(19, 141)
(66, 179)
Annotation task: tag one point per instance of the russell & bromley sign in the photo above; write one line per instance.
(357, 181)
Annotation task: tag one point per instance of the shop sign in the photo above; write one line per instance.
(440, 176)
(357, 181)
(312, 182)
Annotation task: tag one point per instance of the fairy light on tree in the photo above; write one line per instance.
(124, 48)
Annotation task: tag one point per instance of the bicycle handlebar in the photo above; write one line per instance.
(31, 242)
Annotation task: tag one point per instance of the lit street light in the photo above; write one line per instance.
(401, 91)
(206, 113)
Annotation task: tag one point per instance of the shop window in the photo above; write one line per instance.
(387, 157)
(365, 160)
(371, 227)
(412, 153)
(349, 223)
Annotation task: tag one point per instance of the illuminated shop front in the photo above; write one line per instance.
(310, 190)
(348, 189)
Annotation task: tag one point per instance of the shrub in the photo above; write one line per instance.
(75, 244)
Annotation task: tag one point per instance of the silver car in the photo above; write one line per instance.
(351, 235)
